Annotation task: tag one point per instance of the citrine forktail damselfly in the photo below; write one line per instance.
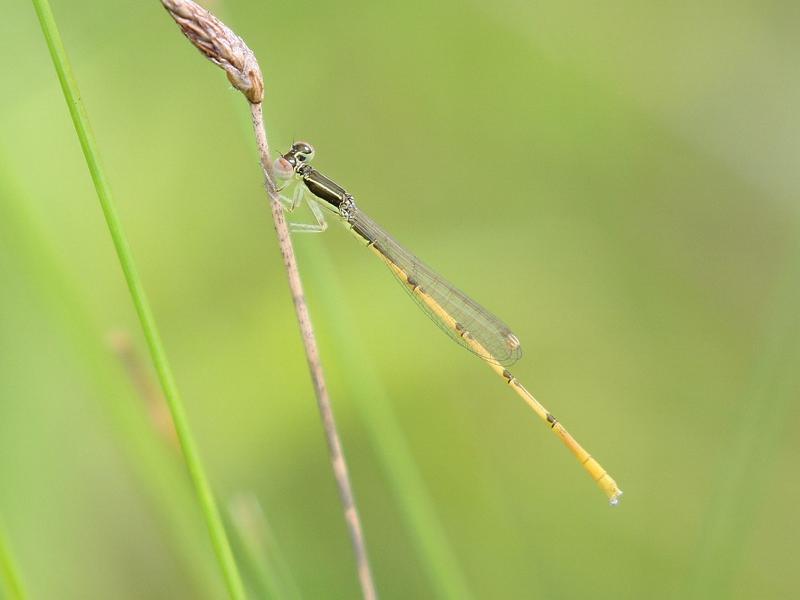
(463, 319)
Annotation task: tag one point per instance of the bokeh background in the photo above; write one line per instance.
(618, 181)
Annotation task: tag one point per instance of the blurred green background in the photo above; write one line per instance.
(618, 181)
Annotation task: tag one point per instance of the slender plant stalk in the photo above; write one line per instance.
(9, 571)
(80, 120)
(229, 52)
(338, 462)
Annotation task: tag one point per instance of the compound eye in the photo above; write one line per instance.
(283, 168)
(303, 150)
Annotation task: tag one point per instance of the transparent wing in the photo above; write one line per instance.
(460, 317)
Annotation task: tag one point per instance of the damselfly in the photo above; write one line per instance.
(463, 319)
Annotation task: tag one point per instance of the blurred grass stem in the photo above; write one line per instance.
(260, 551)
(9, 572)
(135, 367)
(80, 120)
(354, 361)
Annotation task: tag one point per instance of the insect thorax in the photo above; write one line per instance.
(347, 209)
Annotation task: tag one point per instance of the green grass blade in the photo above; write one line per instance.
(744, 474)
(80, 120)
(9, 572)
(386, 436)
(269, 572)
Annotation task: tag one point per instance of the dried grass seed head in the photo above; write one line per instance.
(220, 45)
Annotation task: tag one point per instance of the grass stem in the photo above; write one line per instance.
(219, 44)
(338, 462)
(9, 571)
(80, 120)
